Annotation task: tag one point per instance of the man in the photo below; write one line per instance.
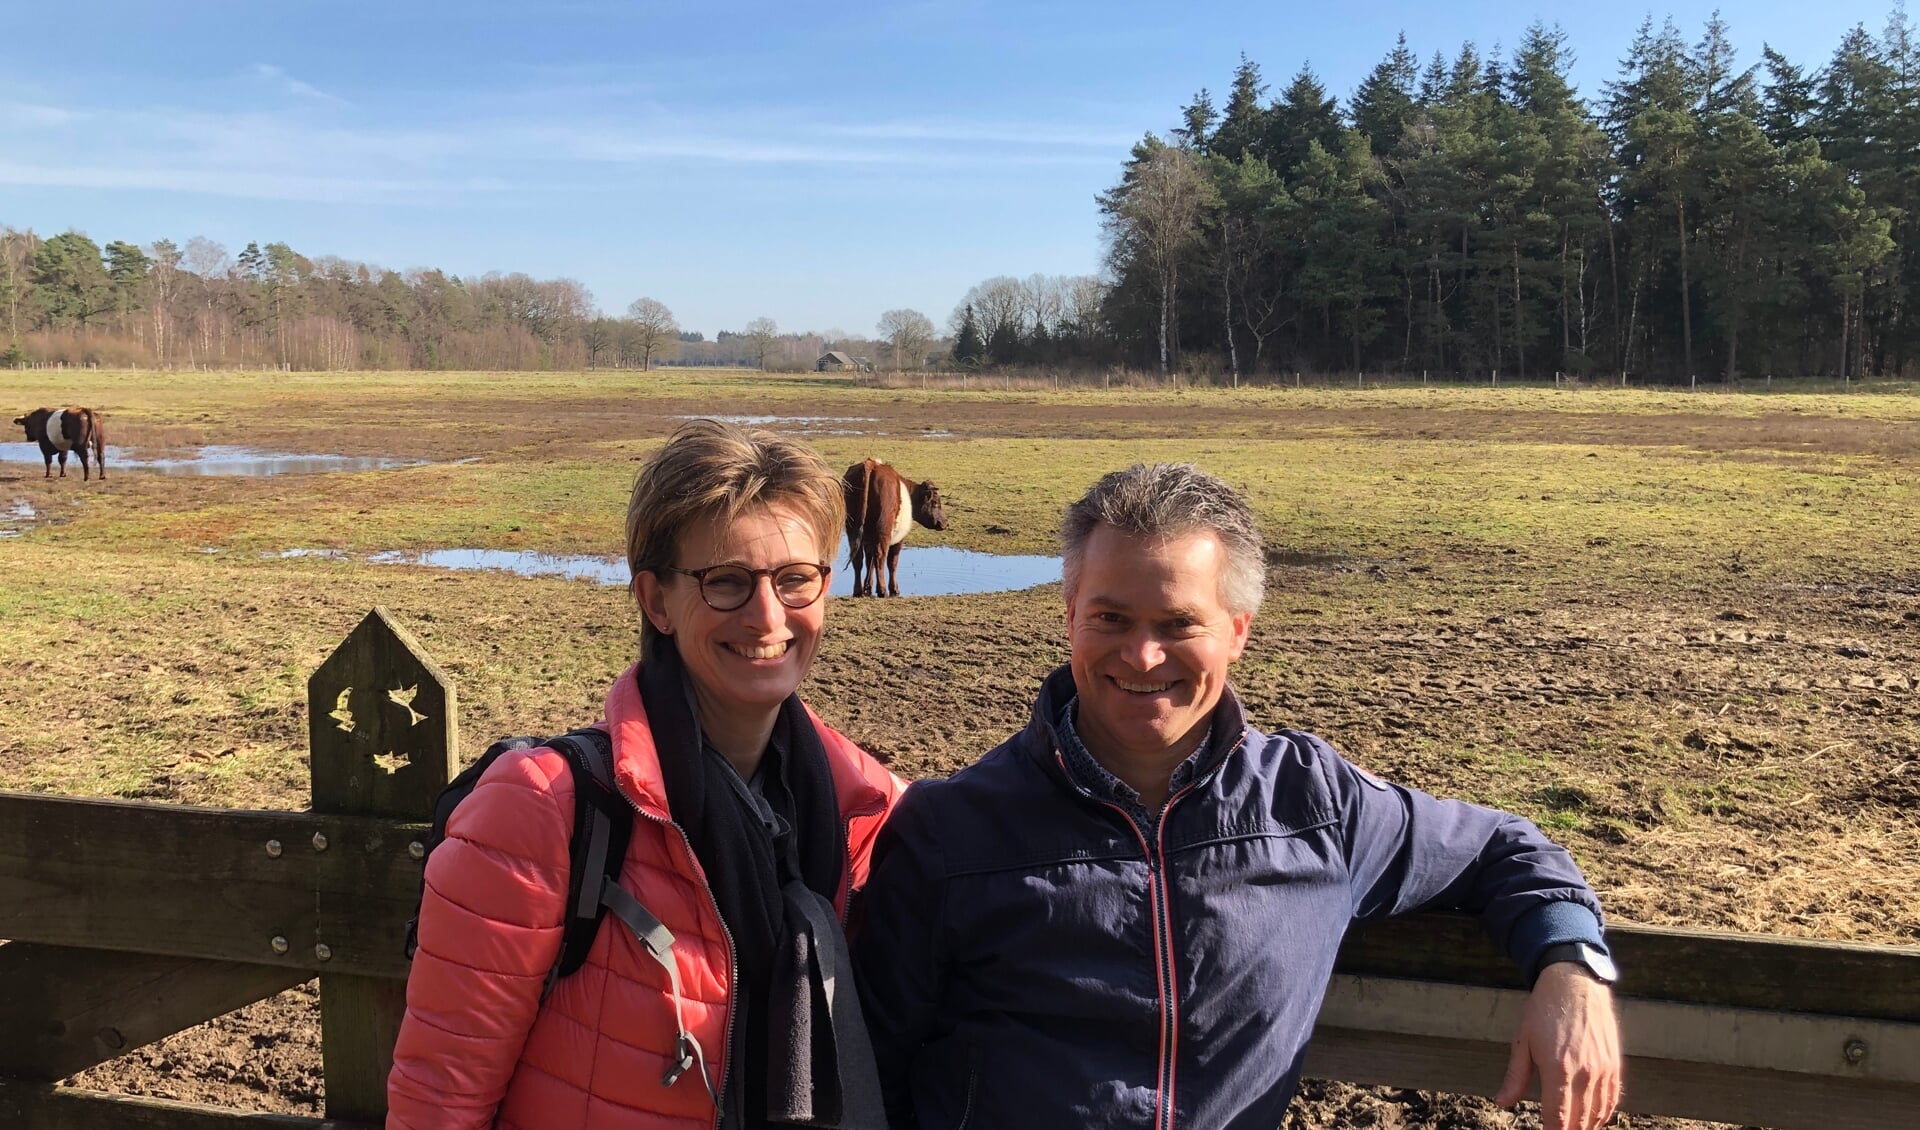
(1127, 913)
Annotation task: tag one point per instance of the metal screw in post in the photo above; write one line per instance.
(273, 849)
(279, 944)
(323, 951)
(417, 850)
(1855, 1051)
(319, 841)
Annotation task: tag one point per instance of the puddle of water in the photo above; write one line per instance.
(18, 512)
(1313, 559)
(938, 570)
(221, 459)
(812, 425)
(926, 571)
(318, 554)
(526, 562)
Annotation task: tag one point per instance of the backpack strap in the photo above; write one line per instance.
(602, 824)
(657, 940)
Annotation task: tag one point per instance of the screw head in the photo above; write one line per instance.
(319, 841)
(1855, 1051)
(417, 850)
(279, 944)
(323, 951)
(273, 849)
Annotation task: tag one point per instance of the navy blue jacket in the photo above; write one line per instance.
(1027, 958)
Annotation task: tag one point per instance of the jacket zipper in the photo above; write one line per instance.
(1170, 1005)
(846, 841)
(1163, 965)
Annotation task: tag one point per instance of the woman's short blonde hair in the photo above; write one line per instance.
(714, 471)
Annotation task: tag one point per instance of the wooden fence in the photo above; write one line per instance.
(131, 921)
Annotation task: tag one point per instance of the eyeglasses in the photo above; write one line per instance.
(727, 587)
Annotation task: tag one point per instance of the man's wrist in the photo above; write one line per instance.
(1585, 957)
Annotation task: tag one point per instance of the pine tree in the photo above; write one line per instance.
(968, 349)
(1384, 103)
(1305, 115)
(1244, 127)
(1787, 100)
(70, 280)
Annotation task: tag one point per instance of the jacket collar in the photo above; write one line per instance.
(636, 760)
(1229, 721)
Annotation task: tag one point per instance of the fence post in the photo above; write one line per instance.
(382, 734)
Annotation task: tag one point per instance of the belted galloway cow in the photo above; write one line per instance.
(60, 430)
(882, 505)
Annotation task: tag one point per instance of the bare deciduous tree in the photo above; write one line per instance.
(1153, 214)
(16, 260)
(653, 329)
(909, 332)
(999, 304)
(761, 334)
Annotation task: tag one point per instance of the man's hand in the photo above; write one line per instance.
(1569, 1032)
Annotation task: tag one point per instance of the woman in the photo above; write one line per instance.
(755, 822)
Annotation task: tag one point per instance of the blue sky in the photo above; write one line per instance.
(814, 163)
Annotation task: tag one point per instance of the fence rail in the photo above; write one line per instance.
(130, 921)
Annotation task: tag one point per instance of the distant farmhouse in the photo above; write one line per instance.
(834, 361)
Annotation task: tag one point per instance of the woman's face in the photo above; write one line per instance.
(749, 660)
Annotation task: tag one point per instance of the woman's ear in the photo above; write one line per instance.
(651, 596)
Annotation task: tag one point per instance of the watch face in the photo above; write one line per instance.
(1596, 959)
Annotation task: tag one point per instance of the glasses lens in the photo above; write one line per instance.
(726, 588)
(799, 585)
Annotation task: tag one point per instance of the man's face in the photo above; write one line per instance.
(1151, 640)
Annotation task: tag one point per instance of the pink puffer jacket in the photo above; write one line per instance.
(478, 1047)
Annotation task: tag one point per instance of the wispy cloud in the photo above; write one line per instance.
(284, 154)
(280, 78)
(232, 182)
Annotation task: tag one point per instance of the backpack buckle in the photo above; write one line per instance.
(685, 1063)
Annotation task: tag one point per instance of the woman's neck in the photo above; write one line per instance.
(740, 737)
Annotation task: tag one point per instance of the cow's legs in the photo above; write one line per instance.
(63, 464)
(876, 561)
(856, 560)
(86, 469)
(893, 568)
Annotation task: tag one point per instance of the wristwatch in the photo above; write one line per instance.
(1595, 959)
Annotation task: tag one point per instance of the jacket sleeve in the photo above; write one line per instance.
(863, 832)
(1409, 851)
(490, 925)
(896, 953)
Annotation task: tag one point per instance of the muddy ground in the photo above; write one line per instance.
(1727, 739)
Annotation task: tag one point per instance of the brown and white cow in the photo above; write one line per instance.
(60, 430)
(882, 505)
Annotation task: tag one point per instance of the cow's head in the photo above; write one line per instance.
(22, 421)
(928, 510)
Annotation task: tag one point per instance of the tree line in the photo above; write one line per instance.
(67, 299)
(1475, 215)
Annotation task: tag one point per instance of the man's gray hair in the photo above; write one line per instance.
(1168, 500)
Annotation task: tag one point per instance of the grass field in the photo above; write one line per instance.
(1619, 612)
